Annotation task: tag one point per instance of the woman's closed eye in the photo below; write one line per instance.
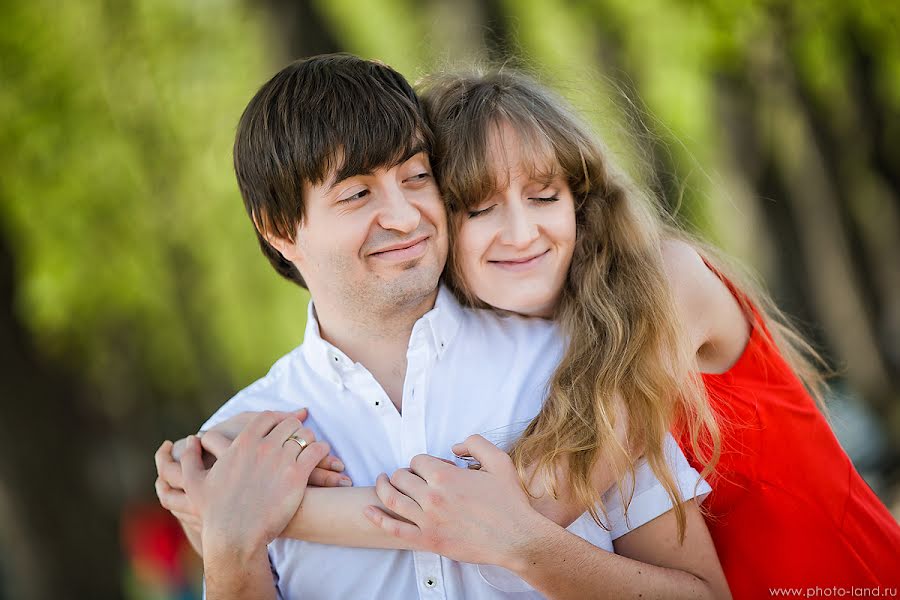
(483, 211)
(547, 199)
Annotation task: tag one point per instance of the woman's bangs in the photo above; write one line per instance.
(538, 158)
(487, 166)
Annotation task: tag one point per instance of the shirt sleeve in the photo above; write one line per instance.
(649, 498)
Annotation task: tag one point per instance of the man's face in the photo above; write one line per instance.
(372, 241)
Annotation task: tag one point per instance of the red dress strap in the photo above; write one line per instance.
(788, 509)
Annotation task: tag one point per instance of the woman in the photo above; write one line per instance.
(645, 307)
(546, 227)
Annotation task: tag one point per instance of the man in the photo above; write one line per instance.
(332, 158)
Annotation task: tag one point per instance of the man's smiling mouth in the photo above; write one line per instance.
(403, 250)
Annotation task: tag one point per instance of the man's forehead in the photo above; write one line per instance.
(344, 169)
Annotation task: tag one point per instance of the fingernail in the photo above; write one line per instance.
(337, 465)
(345, 482)
(457, 448)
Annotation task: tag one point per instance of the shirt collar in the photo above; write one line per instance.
(441, 324)
(443, 320)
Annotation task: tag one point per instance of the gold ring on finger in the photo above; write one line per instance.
(300, 442)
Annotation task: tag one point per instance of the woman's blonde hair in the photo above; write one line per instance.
(616, 309)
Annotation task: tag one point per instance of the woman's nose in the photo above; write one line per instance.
(519, 230)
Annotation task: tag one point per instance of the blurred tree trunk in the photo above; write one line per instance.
(300, 29)
(846, 265)
(69, 548)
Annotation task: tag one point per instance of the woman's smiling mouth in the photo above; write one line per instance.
(520, 264)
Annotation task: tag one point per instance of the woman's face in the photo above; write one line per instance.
(514, 249)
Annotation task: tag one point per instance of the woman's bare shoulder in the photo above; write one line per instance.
(709, 312)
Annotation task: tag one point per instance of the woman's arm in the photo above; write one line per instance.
(553, 560)
(336, 516)
(170, 480)
(328, 515)
(331, 514)
(446, 511)
(649, 562)
(713, 319)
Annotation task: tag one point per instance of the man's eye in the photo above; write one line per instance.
(418, 177)
(483, 211)
(357, 196)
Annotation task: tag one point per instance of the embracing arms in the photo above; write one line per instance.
(444, 510)
(485, 517)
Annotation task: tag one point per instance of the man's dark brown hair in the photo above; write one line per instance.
(333, 114)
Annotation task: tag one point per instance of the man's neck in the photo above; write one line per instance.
(378, 340)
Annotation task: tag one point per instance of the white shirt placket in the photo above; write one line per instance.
(429, 575)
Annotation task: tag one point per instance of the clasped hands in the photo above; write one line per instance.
(256, 483)
(249, 494)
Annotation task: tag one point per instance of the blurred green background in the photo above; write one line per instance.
(134, 300)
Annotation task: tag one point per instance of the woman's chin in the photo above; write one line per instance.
(540, 307)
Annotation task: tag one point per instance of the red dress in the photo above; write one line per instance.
(788, 509)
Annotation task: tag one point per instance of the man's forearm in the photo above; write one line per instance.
(229, 576)
(193, 536)
(562, 566)
(334, 516)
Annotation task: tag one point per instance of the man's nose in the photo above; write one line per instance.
(397, 212)
(518, 231)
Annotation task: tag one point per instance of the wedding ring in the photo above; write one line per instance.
(471, 462)
(300, 442)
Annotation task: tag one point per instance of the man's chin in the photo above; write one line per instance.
(414, 283)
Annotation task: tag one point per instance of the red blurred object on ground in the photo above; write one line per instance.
(158, 552)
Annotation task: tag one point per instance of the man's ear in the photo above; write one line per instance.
(283, 245)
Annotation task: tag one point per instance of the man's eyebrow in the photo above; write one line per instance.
(417, 148)
(336, 182)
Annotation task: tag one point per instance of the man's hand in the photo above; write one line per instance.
(217, 439)
(247, 498)
(215, 442)
(474, 516)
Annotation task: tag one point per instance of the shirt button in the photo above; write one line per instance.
(430, 582)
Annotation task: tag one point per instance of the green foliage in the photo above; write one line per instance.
(134, 256)
(392, 31)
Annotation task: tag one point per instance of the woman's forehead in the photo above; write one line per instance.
(525, 151)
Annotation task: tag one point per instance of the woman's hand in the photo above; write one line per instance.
(253, 490)
(474, 516)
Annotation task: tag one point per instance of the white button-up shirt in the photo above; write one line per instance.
(468, 371)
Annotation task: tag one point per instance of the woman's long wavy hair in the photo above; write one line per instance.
(627, 362)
